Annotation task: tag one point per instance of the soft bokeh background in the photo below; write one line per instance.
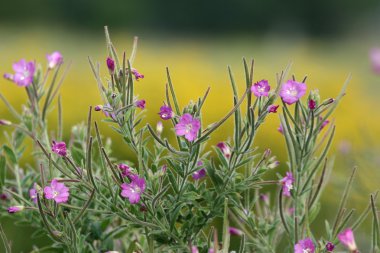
(325, 40)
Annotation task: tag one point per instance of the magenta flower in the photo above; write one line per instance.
(140, 104)
(166, 112)
(200, 173)
(287, 183)
(110, 65)
(133, 190)
(15, 209)
(188, 126)
(33, 194)
(330, 247)
(312, 104)
(59, 148)
(261, 88)
(272, 108)
(125, 170)
(374, 56)
(57, 191)
(235, 231)
(225, 149)
(24, 73)
(137, 74)
(347, 239)
(54, 59)
(292, 91)
(304, 246)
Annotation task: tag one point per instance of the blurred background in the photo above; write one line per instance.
(325, 40)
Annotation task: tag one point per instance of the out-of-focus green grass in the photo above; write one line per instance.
(197, 63)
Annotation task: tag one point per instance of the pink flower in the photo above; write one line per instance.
(194, 249)
(57, 191)
(15, 209)
(133, 190)
(24, 73)
(199, 174)
(125, 170)
(140, 104)
(235, 231)
(137, 74)
(272, 108)
(188, 127)
(59, 148)
(166, 112)
(304, 246)
(292, 91)
(347, 239)
(374, 56)
(260, 88)
(33, 194)
(330, 247)
(54, 59)
(110, 65)
(287, 183)
(225, 149)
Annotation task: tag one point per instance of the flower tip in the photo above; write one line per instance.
(15, 209)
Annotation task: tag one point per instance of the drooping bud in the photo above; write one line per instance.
(15, 209)
(4, 122)
(98, 108)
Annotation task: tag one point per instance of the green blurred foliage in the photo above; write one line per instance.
(226, 16)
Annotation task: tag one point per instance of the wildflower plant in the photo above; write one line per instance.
(171, 193)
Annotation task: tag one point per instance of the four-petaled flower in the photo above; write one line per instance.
(260, 88)
(133, 190)
(188, 126)
(57, 191)
(225, 149)
(287, 183)
(24, 73)
(304, 246)
(54, 59)
(292, 91)
(166, 112)
(347, 239)
(59, 148)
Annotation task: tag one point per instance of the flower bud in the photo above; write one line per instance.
(98, 108)
(54, 59)
(111, 65)
(15, 209)
(4, 122)
(159, 128)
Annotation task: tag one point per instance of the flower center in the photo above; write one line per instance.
(307, 250)
(55, 194)
(292, 92)
(188, 128)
